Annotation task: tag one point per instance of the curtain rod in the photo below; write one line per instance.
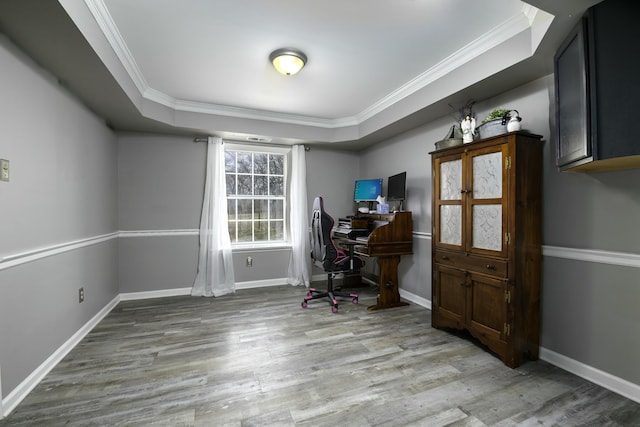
(257, 143)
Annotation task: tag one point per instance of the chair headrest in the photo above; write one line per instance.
(318, 204)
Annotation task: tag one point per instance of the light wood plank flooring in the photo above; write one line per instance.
(256, 358)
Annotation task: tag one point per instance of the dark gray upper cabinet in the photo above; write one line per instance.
(598, 90)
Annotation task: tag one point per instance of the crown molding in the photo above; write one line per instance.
(498, 35)
(477, 47)
(108, 27)
(246, 113)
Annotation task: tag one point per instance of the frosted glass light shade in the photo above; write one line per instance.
(288, 61)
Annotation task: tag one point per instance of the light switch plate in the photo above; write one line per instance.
(4, 170)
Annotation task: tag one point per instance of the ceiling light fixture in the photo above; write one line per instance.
(288, 61)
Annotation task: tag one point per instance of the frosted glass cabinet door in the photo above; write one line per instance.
(487, 227)
(487, 176)
(451, 180)
(451, 196)
(486, 222)
(451, 224)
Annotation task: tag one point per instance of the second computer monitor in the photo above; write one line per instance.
(396, 187)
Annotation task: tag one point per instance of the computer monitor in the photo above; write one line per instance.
(367, 190)
(396, 187)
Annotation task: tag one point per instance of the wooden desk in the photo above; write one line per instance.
(387, 243)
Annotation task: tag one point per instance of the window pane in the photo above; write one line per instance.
(260, 209)
(229, 161)
(260, 163)
(231, 184)
(255, 184)
(244, 162)
(244, 231)
(244, 209)
(276, 187)
(277, 209)
(231, 209)
(232, 231)
(261, 185)
(276, 164)
(261, 232)
(245, 186)
(277, 230)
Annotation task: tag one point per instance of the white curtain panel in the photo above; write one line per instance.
(215, 262)
(300, 261)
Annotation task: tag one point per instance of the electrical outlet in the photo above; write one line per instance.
(80, 295)
(4, 170)
(249, 261)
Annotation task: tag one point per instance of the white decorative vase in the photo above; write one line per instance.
(514, 122)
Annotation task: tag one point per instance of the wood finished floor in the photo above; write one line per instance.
(256, 358)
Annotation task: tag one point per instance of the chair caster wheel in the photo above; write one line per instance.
(304, 304)
(334, 308)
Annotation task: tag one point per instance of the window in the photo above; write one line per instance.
(256, 194)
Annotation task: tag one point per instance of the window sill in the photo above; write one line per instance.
(254, 247)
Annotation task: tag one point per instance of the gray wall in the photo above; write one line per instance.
(62, 191)
(161, 184)
(331, 174)
(160, 189)
(409, 152)
(589, 309)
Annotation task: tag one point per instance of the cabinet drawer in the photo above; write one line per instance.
(480, 264)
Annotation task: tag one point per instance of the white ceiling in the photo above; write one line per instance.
(360, 51)
(201, 66)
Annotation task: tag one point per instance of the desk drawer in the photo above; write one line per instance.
(476, 263)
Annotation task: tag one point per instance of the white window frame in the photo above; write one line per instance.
(261, 149)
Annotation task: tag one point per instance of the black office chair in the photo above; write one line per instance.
(327, 256)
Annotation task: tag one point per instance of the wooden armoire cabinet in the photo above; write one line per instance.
(486, 242)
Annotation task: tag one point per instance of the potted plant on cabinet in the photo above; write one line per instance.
(496, 122)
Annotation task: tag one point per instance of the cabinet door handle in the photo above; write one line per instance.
(490, 267)
(444, 257)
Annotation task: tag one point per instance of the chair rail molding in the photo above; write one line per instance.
(624, 259)
(35, 254)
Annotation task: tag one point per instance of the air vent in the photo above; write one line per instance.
(258, 139)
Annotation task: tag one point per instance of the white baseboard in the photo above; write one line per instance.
(423, 302)
(24, 388)
(604, 379)
(131, 296)
(261, 283)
